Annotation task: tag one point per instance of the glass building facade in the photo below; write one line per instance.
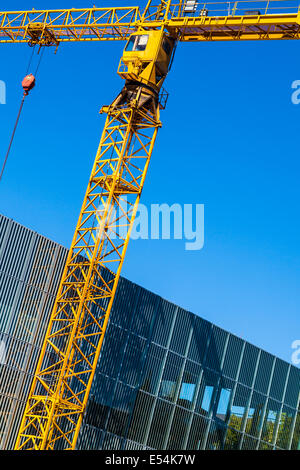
(166, 378)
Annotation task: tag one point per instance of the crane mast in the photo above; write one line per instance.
(63, 378)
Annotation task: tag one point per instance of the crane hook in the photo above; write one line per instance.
(28, 83)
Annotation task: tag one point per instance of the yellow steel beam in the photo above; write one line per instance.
(71, 349)
(234, 28)
(50, 27)
(73, 341)
(227, 21)
(92, 24)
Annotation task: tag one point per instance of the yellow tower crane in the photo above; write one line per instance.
(67, 363)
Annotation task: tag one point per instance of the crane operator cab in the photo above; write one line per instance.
(146, 57)
(145, 63)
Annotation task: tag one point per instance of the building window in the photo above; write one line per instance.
(223, 403)
(171, 376)
(207, 397)
(187, 392)
(137, 43)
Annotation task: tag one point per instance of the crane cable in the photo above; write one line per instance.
(28, 83)
(12, 137)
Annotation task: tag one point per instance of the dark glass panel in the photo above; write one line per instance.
(197, 432)
(181, 331)
(207, 392)
(199, 340)
(145, 313)
(223, 403)
(112, 351)
(216, 348)
(124, 304)
(133, 360)
(159, 425)
(270, 422)
(232, 440)
(179, 429)
(171, 377)
(223, 399)
(152, 370)
(264, 372)
(232, 356)
(130, 445)
(99, 401)
(216, 436)
(248, 365)
(285, 427)
(190, 379)
(239, 407)
(279, 378)
(121, 408)
(255, 414)
(265, 446)
(293, 387)
(140, 417)
(90, 438)
(296, 434)
(17, 249)
(112, 442)
(249, 443)
(164, 318)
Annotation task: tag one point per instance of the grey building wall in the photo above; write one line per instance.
(30, 268)
(166, 378)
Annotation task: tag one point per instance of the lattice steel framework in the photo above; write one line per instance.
(211, 21)
(70, 353)
(49, 27)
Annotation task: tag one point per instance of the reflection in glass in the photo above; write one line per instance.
(187, 392)
(207, 398)
(255, 414)
(207, 391)
(190, 379)
(223, 403)
(296, 435)
(270, 421)
(171, 376)
(197, 432)
(233, 438)
(137, 43)
(285, 427)
(152, 368)
(216, 436)
(179, 429)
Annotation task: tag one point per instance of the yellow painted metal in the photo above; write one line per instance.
(211, 21)
(66, 367)
(147, 63)
(73, 341)
(92, 24)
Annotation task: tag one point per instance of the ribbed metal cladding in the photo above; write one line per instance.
(166, 378)
(30, 269)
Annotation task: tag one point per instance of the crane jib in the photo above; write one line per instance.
(216, 21)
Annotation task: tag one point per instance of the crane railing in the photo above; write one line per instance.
(223, 21)
(206, 21)
(191, 8)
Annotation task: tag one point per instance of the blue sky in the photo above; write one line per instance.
(230, 140)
